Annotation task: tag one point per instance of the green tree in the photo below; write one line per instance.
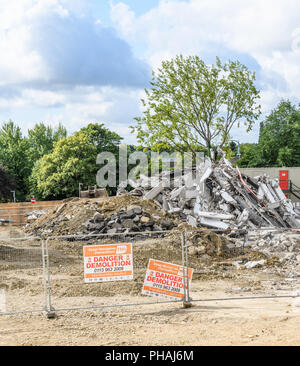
(105, 141)
(72, 161)
(279, 143)
(13, 155)
(251, 156)
(57, 175)
(102, 138)
(6, 184)
(192, 105)
(41, 139)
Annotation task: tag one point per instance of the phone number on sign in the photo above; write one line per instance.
(167, 288)
(113, 269)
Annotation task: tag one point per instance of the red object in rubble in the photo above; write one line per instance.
(284, 180)
(32, 200)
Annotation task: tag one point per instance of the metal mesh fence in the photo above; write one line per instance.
(51, 274)
(21, 275)
(68, 289)
(240, 256)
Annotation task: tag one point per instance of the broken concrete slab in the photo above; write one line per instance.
(155, 191)
(217, 224)
(215, 215)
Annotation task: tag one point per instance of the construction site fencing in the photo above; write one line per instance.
(22, 271)
(67, 289)
(50, 274)
(246, 238)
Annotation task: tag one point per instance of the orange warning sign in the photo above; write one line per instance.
(165, 280)
(112, 262)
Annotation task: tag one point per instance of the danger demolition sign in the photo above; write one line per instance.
(112, 262)
(165, 280)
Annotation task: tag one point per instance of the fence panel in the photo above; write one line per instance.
(262, 269)
(48, 275)
(68, 289)
(21, 275)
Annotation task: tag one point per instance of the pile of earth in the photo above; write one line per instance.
(77, 216)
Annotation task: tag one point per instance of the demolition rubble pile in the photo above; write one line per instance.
(133, 220)
(102, 215)
(285, 246)
(218, 196)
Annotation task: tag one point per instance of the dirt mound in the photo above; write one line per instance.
(70, 217)
(203, 242)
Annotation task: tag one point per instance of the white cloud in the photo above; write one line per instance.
(255, 26)
(48, 42)
(124, 17)
(75, 108)
(265, 33)
(60, 64)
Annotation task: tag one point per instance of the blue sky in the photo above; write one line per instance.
(81, 61)
(101, 8)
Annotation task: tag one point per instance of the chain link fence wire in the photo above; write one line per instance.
(21, 275)
(219, 259)
(48, 274)
(67, 288)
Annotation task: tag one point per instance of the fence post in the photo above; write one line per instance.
(185, 268)
(49, 309)
(246, 238)
(46, 308)
(9, 219)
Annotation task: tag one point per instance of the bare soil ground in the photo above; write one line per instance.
(273, 322)
(264, 322)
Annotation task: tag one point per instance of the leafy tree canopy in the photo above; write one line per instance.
(279, 141)
(280, 136)
(6, 184)
(13, 155)
(58, 174)
(73, 161)
(41, 139)
(192, 105)
(102, 138)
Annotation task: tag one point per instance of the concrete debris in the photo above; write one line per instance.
(250, 264)
(254, 264)
(33, 215)
(219, 196)
(5, 221)
(274, 241)
(213, 223)
(134, 220)
(283, 245)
